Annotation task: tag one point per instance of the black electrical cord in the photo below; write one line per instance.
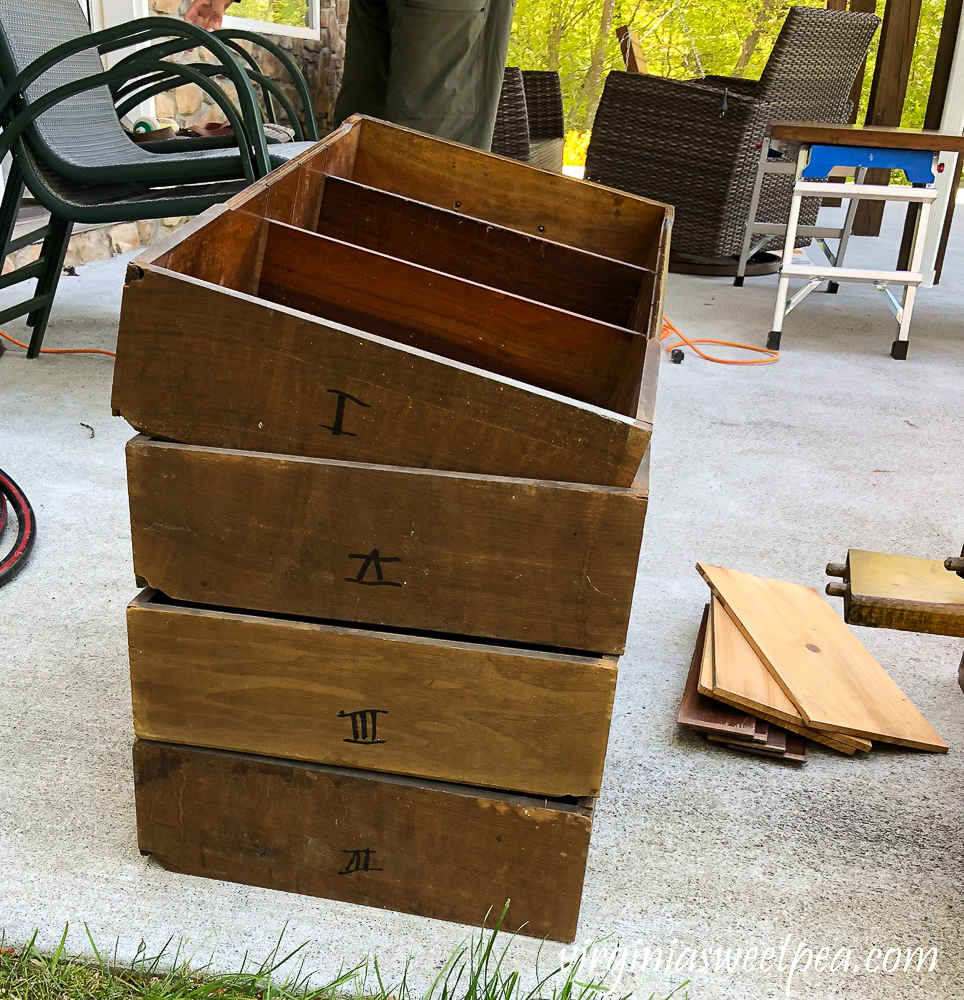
(16, 558)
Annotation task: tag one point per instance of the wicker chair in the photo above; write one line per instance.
(694, 144)
(511, 136)
(547, 128)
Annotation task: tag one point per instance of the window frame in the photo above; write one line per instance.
(313, 31)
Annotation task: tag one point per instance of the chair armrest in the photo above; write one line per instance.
(735, 84)
(124, 36)
(232, 36)
(655, 98)
(650, 131)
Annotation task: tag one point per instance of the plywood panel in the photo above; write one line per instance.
(563, 352)
(476, 714)
(737, 676)
(204, 365)
(704, 714)
(419, 847)
(818, 662)
(548, 564)
(515, 262)
(508, 193)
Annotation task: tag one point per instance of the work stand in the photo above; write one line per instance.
(821, 149)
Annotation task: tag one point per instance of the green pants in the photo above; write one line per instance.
(431, 65)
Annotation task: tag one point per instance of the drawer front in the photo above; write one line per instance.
(207, 365)
(544, 564)
(474, 714)
(419, 847)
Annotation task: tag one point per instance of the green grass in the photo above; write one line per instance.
(479, 970)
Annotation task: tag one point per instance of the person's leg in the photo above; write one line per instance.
(447, 58)
(364, 81)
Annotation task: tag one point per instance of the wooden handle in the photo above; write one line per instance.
(837, 589)
(837, 569)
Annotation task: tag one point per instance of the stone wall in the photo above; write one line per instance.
(320, 60)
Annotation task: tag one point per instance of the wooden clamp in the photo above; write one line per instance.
(900, 592)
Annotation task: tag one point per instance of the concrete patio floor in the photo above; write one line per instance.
(775, 470)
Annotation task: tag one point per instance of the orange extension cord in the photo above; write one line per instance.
(669, 330)
(54, 350)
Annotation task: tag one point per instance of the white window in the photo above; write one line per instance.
(108, 13)
(296, 18)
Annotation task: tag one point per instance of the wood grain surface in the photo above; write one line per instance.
(903, 592)
(818, 662)
(868, 136)
(447, 241)
(781, 745)
(507, 193)
(470, 713)
(741, 678)
(205, 365)
(419, 847)
(705, 715)
(549, 564)
(563, 352)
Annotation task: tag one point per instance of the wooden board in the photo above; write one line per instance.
(448, 241)
(470, 713)
(548, 564)
(506, 192)
(737, 676)
(867, 136)
(818, 662)
(903, 592)
(420, 847)
(704, 714)
(562, 352)
(206, 365)
(781, 745)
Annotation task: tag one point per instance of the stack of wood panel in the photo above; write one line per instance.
(387, 503)
(775, 666)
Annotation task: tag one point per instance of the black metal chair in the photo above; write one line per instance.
(694, 144)
(60, 122)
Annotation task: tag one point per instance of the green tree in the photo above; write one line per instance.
(681, 39)
(290, 12)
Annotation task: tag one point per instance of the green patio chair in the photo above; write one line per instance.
(60, 122)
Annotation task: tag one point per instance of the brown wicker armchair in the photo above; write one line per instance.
(694, 144)
(529, 124)
(511, 135)
(547, 128)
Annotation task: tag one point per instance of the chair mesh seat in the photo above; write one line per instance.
(81, 136)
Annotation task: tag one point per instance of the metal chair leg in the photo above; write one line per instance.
(751, 217)
(9, 208)
(53, 252)
(783, 285)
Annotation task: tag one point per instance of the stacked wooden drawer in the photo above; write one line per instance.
(395, 404)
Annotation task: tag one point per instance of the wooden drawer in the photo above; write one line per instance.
(334, 351)
(420, 847)
(500, 191)
(521, 719)
(545, 564)
(338, 311)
